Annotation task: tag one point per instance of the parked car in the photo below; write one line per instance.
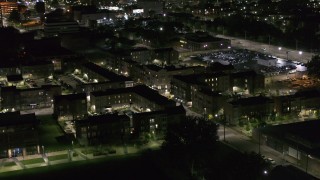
(271, 160)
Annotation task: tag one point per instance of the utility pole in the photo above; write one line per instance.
(259, 131)
(224, 131)
(307, 163)
(224, 128)
(222, 30)
(259, 142)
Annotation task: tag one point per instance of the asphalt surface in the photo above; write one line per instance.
(277, 51)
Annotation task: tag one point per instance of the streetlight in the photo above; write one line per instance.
(265, 172)
(287, 52)
(72, 144)
(259, 141)
(308, 156)
(224, 126)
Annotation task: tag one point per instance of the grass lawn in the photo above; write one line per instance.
(149, 165)
(32, 161)
(58, 157)
(89, 151)
(51, 135)
(7, 164)
(120, 167)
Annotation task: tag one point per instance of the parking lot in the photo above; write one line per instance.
(245, 59)
(282, 52)
(236, 57)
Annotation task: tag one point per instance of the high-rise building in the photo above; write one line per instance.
(151, 7)
(7, 6)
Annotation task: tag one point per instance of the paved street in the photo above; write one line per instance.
(243, 143)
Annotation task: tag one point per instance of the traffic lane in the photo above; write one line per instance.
(244, 144)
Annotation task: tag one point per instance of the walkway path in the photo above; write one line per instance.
(70, 156)
(19, 163)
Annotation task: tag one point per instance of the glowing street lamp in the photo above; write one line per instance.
(308, 156)
(265, 172)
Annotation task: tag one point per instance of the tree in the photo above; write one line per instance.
(193, 144)
(27, 14)
(194, 140)
(40, 7)
(151, 13)
(55, 3)
(314, 66)
(193, 134)
(14, 16)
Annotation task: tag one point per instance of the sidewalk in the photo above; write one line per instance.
(67, 156)
(280, 158)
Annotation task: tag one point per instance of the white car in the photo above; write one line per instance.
(271, 161)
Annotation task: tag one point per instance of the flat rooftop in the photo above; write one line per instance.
(305, 135)
(105, 73)
(141, 90)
